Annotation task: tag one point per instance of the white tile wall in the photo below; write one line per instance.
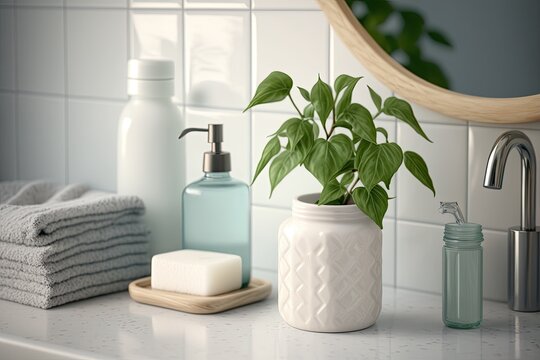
(40, 50)
(97, 52)
(217, 59)
(7, 44)
(344, 62)
(298, 46)
(8, 134)
(92, 142)
(41, 146)
(415, 201)
(62, 85)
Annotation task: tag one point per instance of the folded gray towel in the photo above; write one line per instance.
(90, 286)
(92, 240)
(41, 213)
(133, 271)
(85, 262)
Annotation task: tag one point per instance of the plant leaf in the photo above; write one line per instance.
(377, 101)
(315, 129)
(345, 100)
(309, 111)
(282, 165)
(403, 111)
(360, 151)
(342, 81)
(384, 132)
(373, 203)
(304, 93)
(418, 168)
(282, 131)
(439, 37)
(327, 157)
(295, 132)
(347, 179)
(331, 191)
(271, 149)
(361, 122)
(274, 88)
(379, 163)
(321, 98)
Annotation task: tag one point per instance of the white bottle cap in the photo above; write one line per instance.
(151, 77)
(151, 69)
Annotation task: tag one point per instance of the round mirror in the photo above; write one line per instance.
(472, 47)
(476, 60)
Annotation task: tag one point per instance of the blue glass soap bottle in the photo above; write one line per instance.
(216, 208)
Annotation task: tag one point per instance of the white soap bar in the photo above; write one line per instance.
(196, 272)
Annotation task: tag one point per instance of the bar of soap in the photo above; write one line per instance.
(195, 272)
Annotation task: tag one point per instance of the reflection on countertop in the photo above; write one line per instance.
(410, 327)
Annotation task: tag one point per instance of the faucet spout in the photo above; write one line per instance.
(493, 178)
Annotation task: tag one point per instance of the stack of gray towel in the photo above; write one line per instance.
(65, 243)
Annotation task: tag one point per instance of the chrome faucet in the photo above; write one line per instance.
(523, 240)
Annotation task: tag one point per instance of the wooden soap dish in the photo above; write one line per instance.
(257, 290)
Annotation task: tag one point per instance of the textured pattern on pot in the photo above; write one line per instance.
(329, 267)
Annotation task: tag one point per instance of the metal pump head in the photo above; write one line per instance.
(214, 160)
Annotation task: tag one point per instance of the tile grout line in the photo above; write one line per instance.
(16, 94)
(184, 86)
(468, 152)
(66, 102)
(250, 86)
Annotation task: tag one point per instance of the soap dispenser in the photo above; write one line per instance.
(216, 208)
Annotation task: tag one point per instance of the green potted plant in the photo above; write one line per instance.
(330, 249)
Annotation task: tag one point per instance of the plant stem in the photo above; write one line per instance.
(333, 120)
(377, 114)
(351, 188)
(296, 107)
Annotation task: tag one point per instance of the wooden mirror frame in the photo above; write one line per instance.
(417, 90)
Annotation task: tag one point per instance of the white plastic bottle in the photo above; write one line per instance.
(150, 163)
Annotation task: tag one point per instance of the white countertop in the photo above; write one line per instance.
(114, 326)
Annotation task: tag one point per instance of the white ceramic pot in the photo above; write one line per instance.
(329, 267)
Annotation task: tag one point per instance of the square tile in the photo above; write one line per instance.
(217, 4)
(446, 159)
(344, 62)
(90, 123)
(285, 4)
(7, 48)
(40, 50)
(156, 4)
(41, 139)
(496, 209)
(8, 134)
(217, 59)
(418, 256)
(389, 252)
(159, 35)
(97, 3)
(264, 240)
(236, 141)
(97, 55)
(290, 48)
(298, 182)
(495, 260)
